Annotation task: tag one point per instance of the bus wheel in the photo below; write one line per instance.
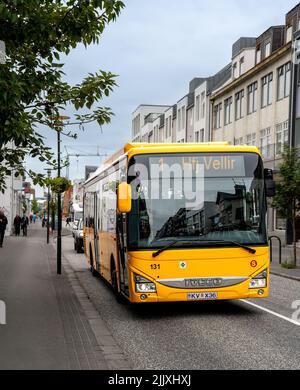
(94, 272)
(114, 282)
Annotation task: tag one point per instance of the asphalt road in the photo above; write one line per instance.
(203, 335)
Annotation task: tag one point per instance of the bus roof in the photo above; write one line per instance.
(131, 149)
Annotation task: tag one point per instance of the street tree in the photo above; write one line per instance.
(33, 90)
(35, 206)
(287, 199)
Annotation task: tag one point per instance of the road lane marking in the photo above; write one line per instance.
(272, 312)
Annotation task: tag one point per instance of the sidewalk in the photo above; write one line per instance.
(287, 256)
(47, 325)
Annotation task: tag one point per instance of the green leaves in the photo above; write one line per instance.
(58, 185)
(31, 82)
(288, 189)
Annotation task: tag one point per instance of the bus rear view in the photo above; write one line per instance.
(196, 225)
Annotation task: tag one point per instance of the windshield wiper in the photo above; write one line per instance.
(247, 248)
(157, 253)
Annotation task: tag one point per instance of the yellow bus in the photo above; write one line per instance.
(180, 222)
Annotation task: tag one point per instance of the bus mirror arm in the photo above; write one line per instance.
(124, 198)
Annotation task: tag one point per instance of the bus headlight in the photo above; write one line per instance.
(259, 281)
(143, 285)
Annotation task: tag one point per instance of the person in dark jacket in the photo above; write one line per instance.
(3, 223)
(24, 224)
(17, 224)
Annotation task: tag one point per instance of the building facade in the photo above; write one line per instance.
(254, 100)
(11, 201)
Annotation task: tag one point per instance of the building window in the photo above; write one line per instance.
(239, 102)
(161, 135)
(156, 134)
(251, 139)
(136, 124)
(170, 126)
(239, 141)
(265, 142)
(242, 60)
(202, 135)
(289, 32)
(282, 137)
(166, 128)
(227, 110)
(199, 135)
(150, 138)
(183, 117)
(283, 81)
(267, 49)
(252, 98)
(258, 55)
(179, 119)
(217, 116)
(234, 70)
(197, 107)
(267, 90)
(202, 104)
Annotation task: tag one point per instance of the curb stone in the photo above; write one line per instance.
(285, 276)
(113, 355)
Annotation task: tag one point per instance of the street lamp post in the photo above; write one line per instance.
(58, 124)
(48, 207)
(58, 208)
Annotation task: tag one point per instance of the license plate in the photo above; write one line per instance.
(203, 295)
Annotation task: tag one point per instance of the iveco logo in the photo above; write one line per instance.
(203, 282)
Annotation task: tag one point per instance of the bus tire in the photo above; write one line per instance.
(114, 283)
(93, 271)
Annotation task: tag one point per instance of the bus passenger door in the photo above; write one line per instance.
(122, 251)
(96, 231)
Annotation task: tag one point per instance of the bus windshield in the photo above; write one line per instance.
(199, 199)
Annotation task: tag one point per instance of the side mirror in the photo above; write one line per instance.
(124, 198)
(269, 183)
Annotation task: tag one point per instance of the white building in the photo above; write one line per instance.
(186, 121)
(254, 107)
(11, 201)
(142, 119)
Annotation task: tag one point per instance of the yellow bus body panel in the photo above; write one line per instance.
(200, 263)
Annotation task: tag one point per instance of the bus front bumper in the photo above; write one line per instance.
(171, 294)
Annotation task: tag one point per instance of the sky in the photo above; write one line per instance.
(156, 47)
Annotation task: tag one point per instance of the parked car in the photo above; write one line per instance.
(78, 238)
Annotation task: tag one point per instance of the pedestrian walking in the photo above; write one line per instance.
(34, 218)
(30, 217)
(68, 220)
(3, 223)
(24, 224)
(17, 224)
